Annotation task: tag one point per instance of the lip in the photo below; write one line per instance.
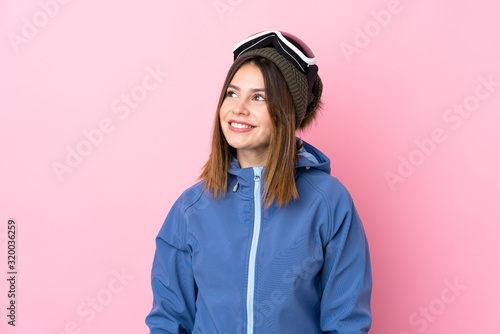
(234, 129)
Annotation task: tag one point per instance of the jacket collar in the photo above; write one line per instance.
(241, 179)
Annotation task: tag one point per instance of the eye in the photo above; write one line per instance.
(230, 93)
(260, 97)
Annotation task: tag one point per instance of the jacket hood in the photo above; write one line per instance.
(309, 156)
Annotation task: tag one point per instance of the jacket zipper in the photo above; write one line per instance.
(253, 249)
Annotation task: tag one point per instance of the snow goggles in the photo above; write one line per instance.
(289, 46)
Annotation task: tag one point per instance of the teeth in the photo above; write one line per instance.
(240, 126)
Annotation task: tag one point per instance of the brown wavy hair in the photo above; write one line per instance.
(278, 174)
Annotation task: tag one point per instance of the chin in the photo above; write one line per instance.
(235, 144)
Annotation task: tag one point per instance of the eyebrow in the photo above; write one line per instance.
(252, 89)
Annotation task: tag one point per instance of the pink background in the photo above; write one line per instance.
(395, 75)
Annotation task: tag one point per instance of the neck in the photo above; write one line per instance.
(251, 159)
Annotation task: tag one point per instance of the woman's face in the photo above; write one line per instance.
(244, 116)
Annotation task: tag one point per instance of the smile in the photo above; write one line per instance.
(241, 126)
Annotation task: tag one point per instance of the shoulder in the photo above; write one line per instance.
(334, 196)
(189, 197)
(174, 228)
(326, 185)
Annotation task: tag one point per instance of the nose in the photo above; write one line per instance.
(240, 107)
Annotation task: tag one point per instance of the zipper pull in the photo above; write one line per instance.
(257, 171)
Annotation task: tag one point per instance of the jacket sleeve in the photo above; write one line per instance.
(174, 288)
(346, 275)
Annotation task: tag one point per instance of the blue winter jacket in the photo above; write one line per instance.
(232, 266)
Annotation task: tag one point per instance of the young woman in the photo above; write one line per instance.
(268, 241)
